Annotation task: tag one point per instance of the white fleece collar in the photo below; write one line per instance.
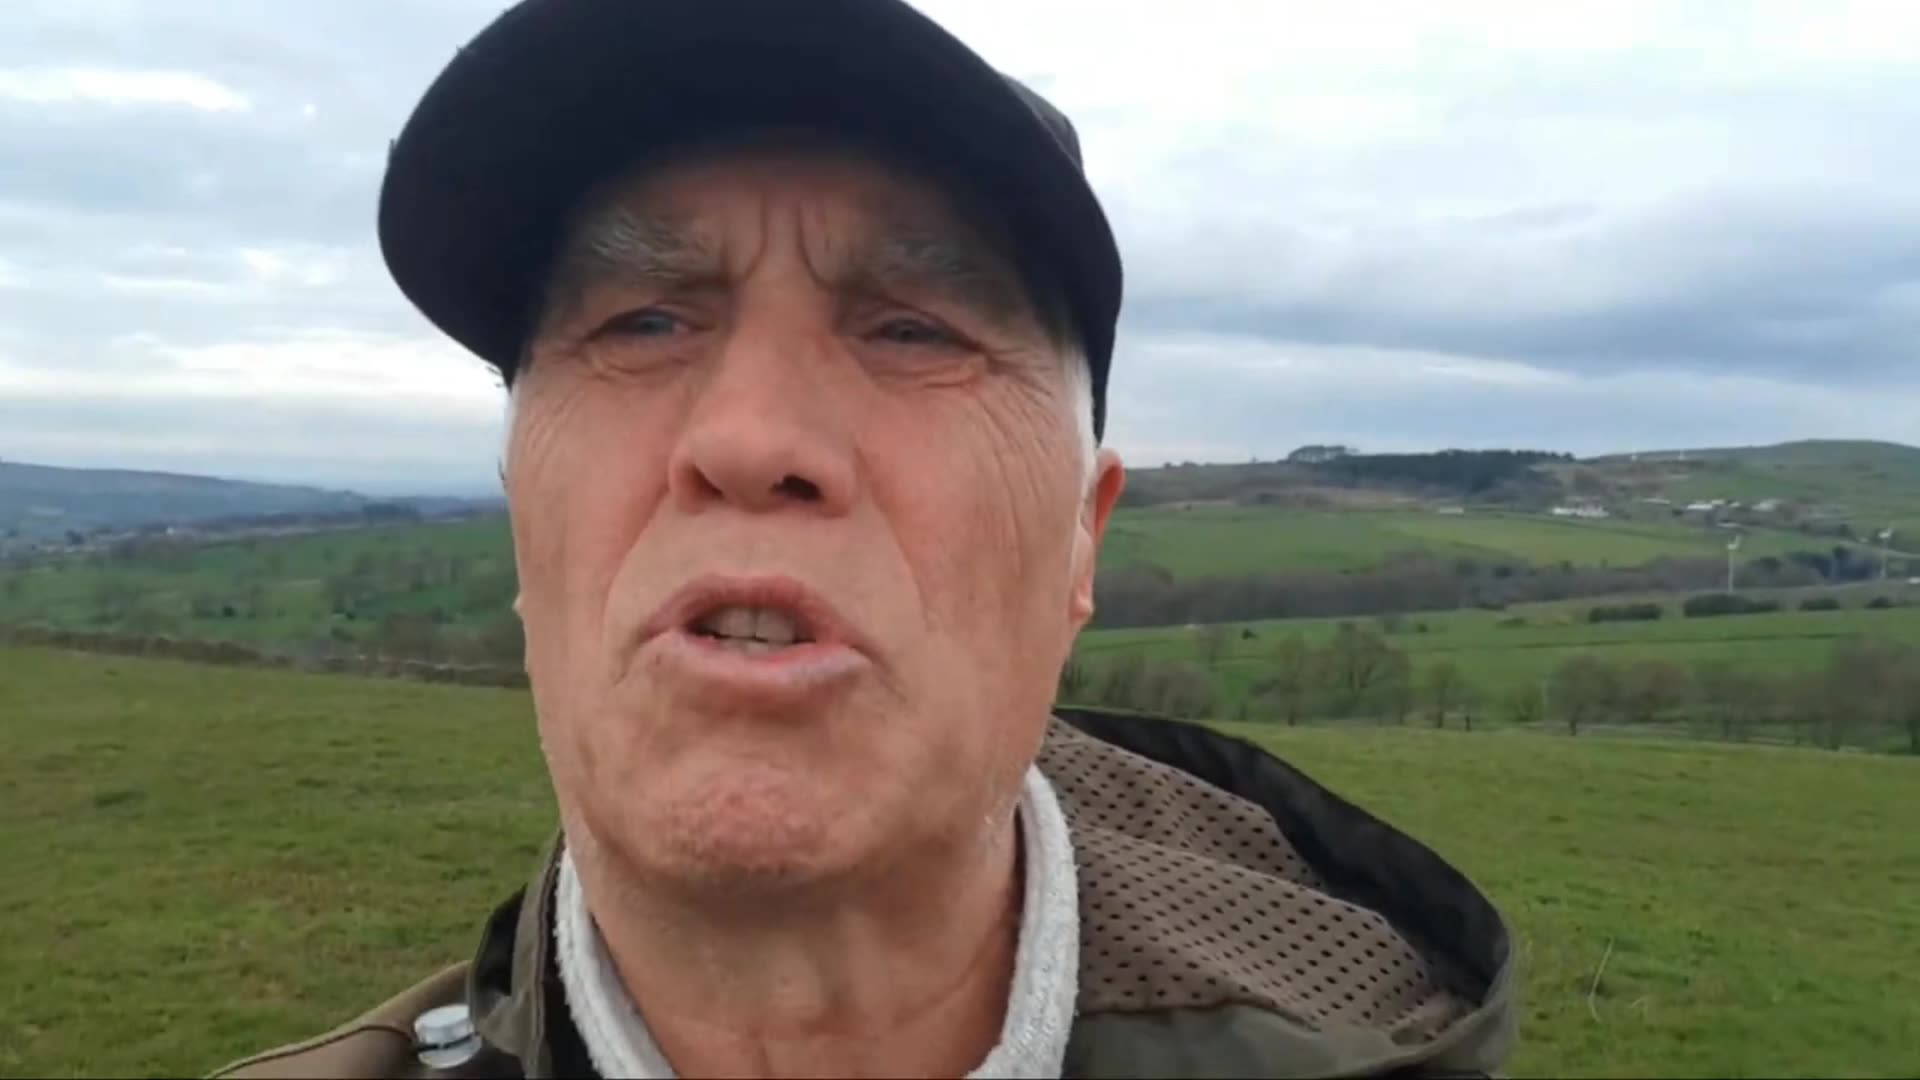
(1040, 1004)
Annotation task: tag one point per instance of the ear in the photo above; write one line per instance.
(1103, 493)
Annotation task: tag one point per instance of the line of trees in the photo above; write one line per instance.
(1354, 673)
(1866, 694)
(1469, 472)
(1151, 596)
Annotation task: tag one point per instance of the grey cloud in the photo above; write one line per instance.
(1803, 286)
(1646, 225)
(375, 450)
(1391, 402)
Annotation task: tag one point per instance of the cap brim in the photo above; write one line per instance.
(559, 95)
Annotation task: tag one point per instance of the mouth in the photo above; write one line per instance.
(753, 629)
(764, 644)
(754, 617)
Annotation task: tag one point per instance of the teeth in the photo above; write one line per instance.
(754, 624)
(750, 646)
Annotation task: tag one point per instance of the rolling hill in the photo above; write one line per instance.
(1364, 528)
(42, 503)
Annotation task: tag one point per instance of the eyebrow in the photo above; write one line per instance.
(617, 245)
(957, 266)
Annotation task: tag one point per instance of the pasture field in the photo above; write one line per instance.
(291, 576)
(202, 862)
(1211, 541)
(280, 590)
(1876, 483)
(1537, 637)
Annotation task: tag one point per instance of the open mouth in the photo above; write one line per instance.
(751, 629)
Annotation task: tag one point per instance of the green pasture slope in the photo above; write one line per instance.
(292, 571)
(1874, 484)
(1496, 657)
(1207, 541)
(1199, 542)
(203, 861)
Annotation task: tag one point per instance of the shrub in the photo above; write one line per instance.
(1709, 604)
(1820, 603)
(1644, 612)
(1882, 603)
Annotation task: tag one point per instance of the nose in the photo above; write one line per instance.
(767, 429)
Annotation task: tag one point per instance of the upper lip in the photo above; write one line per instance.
(815, 616)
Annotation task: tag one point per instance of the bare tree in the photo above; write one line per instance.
(1440, 685)
(1524, 705)
(1396, 688)
(1470, 698)
(1353, 665)
(1866, 681)
(1733, 697)
(1179, 688)
(1288, 678)
(1582, 689)
(1651, 687)
(1908, 706)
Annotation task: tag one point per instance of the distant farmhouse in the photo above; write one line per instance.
(1588, 511)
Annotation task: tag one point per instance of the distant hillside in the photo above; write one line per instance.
(1814, 486)
(1867, 486)
(41, 503)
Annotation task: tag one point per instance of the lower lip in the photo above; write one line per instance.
(785, 675)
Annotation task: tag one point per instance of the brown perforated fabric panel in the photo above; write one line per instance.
(1191, 897)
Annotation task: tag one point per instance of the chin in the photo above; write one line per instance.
(749, 827)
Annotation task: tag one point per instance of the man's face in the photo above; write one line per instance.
(803, 522)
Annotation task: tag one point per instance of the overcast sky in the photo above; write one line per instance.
(1589, 227)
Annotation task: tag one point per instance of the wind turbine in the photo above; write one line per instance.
(1733, 545)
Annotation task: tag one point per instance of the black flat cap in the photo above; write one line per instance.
(557, 96)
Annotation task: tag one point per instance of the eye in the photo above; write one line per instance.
(910, 331)
(642, 323)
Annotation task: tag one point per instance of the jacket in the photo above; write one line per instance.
(1237, 919)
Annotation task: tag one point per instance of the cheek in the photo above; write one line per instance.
(983, 508)
(582, 481)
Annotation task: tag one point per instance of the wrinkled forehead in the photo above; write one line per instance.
(803, 165)
(671, 211)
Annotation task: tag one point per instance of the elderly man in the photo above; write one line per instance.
(806, 315)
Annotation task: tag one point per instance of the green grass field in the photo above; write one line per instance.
(1206, 541)
(1875, 484)
(292, 573)
(1496, 658)
(202, 861)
